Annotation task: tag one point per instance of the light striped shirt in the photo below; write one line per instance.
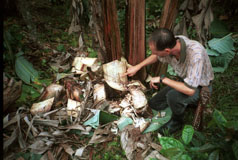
(194, 65)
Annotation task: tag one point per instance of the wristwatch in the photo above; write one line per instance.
(161, 78)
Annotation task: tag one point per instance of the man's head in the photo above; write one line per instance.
(162, 41)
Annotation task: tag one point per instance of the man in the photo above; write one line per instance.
(190, 62)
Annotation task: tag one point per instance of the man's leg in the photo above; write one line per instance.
(159, 102)
(178, 102)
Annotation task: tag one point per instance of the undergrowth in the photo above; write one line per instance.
(53, 32)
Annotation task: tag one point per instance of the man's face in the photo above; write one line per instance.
(162, 53)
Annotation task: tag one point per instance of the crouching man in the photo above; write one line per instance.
(190, 62)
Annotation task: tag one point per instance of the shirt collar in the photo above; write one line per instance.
(182, 51)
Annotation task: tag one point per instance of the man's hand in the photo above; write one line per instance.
(131, 71)
(153, 81)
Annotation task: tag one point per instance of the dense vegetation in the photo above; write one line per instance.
(52, 20)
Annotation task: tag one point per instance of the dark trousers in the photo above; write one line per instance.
(177, 101)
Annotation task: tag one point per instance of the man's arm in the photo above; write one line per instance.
(131, 71)
(179, 86)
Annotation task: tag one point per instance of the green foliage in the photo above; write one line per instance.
(112, 151)
(25, 70)
(30, 92)
(221, 52)
(157, 122)
(219, 119)
(169, 142)
(194, 145)
(187, 134)
(28, 156)
(154, 7)
(218, 29)
(171, 71)
(61, 48)
(224, 140)
(192, 33)
(174, 149)
(12, 42)
(153, 13)
(222, 45)
(92, 53)
(6, 43)
(235, 149)
(214, 155)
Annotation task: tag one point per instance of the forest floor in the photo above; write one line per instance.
(52, 22)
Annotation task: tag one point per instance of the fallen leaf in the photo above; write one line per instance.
(42, 107)
(68, 149)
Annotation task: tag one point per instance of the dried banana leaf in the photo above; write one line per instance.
(73, 108)
(80, 64)
(138, 98)
(99, 93)
(113, 72)
(42, 107)
(53, 90)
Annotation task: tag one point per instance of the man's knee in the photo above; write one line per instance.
(176, 101)
(157, 106)
(152, 104)
(172, 97)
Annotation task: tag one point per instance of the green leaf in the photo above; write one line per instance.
(187, 134)
(28, 156)
(200, 136)
(157, 122)
(35, 156)
(221, 52)
(94, 121)
(107, 117)
(222, 45)
(100, 117)
(185, 157)
(218, 29)
(172, 153)
(169, 142)
(123, 122)
(212, 52)
(171, 71)
(25, 70)
(92, 53)
(232, 124)
(28, 94)
(60, 48)
(219, 118)
(235, 149)
(214, 155)
(19, 54)
(205, 148)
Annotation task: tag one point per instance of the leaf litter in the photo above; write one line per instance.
(95, 101)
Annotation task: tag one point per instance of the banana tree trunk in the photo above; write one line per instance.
(135, 35)
(111, 30)
(166, 21)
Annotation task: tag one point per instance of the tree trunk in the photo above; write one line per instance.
(97, 22)
(166, 21)
(112, 38)
(135, 35)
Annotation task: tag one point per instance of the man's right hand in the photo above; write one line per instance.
(131, 71)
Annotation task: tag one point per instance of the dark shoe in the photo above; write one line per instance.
(171, 126)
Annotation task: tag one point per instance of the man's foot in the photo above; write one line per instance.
(171, 126)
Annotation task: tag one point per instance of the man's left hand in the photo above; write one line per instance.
(153, 82)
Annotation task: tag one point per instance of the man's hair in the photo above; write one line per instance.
(162, 38)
